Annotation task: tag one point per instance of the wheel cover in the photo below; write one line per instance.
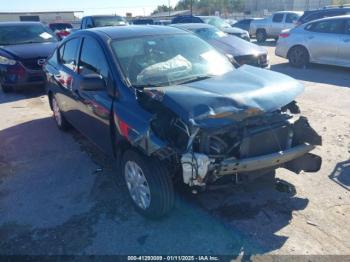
(137, 185)
(56, 112)
(298, 56)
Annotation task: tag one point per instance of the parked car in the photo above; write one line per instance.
(272, 26)
(242, 51)
(225, 27)
(214, 21)
(330, 11)
(170, 112)
(61, 30)
(244, 24)
(324, 41)
(102, 21)
(24, 47)
(162, 22)
(143, 21)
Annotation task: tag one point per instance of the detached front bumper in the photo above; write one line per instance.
(232, 166)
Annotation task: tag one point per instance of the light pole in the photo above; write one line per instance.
(191, 7)
(169, 7)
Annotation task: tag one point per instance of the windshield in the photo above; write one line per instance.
(23, 34)
(168, 60)
(209, 33)
(216, 21)
(109, 21)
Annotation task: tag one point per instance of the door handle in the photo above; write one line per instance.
(311, 37)
(346, 40)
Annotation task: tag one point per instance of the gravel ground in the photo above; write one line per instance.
(59, 195)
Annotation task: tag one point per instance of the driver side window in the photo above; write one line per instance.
(93, 60)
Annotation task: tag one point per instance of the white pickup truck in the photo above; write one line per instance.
(272, 26)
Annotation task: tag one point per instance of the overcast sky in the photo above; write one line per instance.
(136, 7)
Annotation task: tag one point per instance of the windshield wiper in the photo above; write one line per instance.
(195, 79)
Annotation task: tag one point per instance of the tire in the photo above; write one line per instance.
(156, 198)
(60, 120)
(261, 36)
(7, 89)
(298, 57)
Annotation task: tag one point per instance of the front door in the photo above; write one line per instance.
(323, 40)
(344, 46)
(94, 107)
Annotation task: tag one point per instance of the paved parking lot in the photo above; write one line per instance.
(59, 195)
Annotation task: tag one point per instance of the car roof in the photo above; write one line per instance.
(289, 12)
(192, 26)
(118, 32)
(19, 23)
(102, 16)
(329, 18)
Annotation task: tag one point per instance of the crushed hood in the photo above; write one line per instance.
(220, 101)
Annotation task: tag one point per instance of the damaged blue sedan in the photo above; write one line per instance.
(170, 108)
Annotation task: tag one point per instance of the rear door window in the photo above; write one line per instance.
(291, 18)
(277, 18)
(329, 27)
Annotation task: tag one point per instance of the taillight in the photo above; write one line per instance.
(284, 35)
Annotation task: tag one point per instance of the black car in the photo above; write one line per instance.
(242, 51)
(243, 24)
(169, 107)
(142, 21)
(214, 21)
(322, 13)
(24, 47)
(101, 21)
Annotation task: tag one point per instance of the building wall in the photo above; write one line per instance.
(44, 17)
(281, 5)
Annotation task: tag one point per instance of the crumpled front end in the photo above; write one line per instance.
(259, 144)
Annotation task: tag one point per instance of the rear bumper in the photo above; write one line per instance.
(281, 50)
(232, 166)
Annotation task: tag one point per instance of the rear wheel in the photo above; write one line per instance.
(7, 89)
(59, 118)
(148, 183)
(261, 36)
(299, 57)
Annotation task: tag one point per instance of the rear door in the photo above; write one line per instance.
(323, 39)
(277, 24)
(344, 45)
(94, 107)
(65, 77)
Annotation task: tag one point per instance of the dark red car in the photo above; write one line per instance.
(61, 30)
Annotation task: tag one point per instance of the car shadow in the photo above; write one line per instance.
(341, 174)
(21, 94)
(324, 74)
(267, 43)
(80, 206)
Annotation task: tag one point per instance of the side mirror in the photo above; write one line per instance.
(92, 83)
(88, 26)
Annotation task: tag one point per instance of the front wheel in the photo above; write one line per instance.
(148, 183)
(299, 57)
(261, 36)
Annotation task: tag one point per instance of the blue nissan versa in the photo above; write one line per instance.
(169, 108)
(24, 47)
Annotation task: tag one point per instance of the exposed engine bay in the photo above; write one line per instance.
(263, 141)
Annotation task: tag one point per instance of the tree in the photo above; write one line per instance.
(162, 8)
